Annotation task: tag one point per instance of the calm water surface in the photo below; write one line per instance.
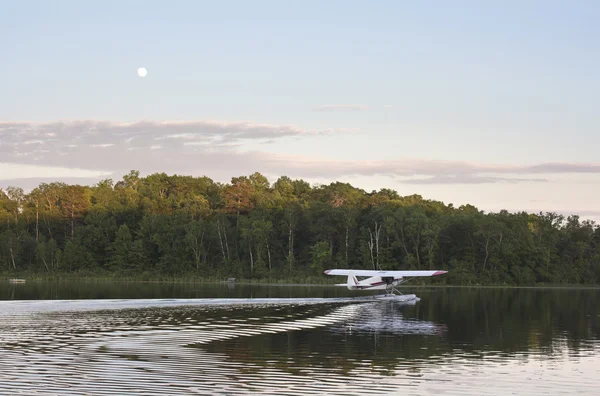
(100, 338)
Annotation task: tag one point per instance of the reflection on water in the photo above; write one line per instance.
(453, 341)
(385, 318)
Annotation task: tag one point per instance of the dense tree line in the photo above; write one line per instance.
(163, 225)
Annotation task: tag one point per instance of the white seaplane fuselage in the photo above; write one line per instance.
(372, 283)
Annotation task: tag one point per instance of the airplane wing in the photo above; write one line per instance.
(395, 274)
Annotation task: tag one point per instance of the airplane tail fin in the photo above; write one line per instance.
(351, 283)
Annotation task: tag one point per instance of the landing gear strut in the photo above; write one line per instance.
(390, 289)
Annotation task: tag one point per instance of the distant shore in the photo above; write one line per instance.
(315, 282)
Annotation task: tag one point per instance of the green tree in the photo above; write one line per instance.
(177, 225)
(120, 249)
(195, 236)
(321, 256)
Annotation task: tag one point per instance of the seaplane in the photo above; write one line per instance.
(381, 280)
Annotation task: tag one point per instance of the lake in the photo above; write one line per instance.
(158, 339)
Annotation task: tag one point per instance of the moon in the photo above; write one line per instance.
(142, 72)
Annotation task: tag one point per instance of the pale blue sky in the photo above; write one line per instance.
(495, 84)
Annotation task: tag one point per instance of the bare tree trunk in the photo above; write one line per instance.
(347, 232)
(12, 256)
(371, 245)
(251, 260)
(290, 244)
(402, 240)
(377, 252)
(416, 244)
(48, 228)
(221, 241)
(196, 257)
(487, 252)
(377, 231)
(37, 222)
(46, 264)
(197, 249)
(226, 244)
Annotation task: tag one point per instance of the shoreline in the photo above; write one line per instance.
(278, 283)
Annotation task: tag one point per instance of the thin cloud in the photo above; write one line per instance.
(470, 179)
(558, 167)
(442, 172)
(92, 130)
(178, 147)
(20, 138)
(347, 107)
(217, 149)
(12, 171)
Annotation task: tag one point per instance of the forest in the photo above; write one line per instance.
(186, 227)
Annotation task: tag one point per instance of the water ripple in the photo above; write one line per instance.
(282, 348)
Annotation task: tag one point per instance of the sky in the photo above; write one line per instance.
(488, 103)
